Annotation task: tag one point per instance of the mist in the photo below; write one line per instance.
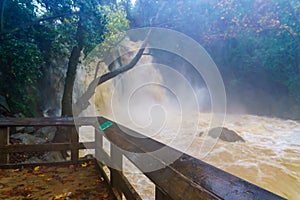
(148, 98)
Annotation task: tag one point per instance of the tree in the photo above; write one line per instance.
(46, 28)
(20, 57)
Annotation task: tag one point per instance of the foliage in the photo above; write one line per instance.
(28, 45)
(116, 24)
(20, 59)
(253, 42)
(19, 75)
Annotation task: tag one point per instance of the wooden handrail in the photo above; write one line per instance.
(47, 121)
(185, 178)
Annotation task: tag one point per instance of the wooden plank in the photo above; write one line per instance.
(190, 177)
(100, 170)
(104, 159)
(127, 189)
(115, 170)
(98, 144)
(48, 121)
(60, 163)
(88, 145)
(74, 142)
(100, 166)
(44, 147)
(116, 156)
(160, 195)
(4, 140)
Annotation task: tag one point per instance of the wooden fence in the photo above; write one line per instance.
(185, 178)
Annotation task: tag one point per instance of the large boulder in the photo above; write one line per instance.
(26, 138)
(47, 133)
(226, 134)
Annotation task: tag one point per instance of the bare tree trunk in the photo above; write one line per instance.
(69, 82)
(63, 133)
(66, 103)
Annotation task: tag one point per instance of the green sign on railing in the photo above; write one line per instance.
(105, 125)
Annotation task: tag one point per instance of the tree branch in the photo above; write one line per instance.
(83, 102)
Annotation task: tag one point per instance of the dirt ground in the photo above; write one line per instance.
(54, 183)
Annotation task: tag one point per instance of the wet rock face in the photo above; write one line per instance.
(28, 135)
(227, 135)
(31, 135)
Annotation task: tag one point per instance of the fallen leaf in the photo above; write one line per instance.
(37, 168)
(84, 164)
(59, 196)
(7, 192)
(28, 188)
(15, 170)
(41, 175)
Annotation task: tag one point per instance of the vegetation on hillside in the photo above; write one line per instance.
(255, 44)
(35, 32)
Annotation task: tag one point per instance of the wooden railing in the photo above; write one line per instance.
(72, 145)
(185, 178)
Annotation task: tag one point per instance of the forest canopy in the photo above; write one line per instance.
(255, 44)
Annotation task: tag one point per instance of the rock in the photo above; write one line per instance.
(226, 134)
(47, 133)
(29, 129)
(33, 159)
(42, 135)
(201, 133)
(22, 129)
(53, 156)
(27, 138)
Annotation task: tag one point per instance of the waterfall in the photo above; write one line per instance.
(51, 85)
(136, 88)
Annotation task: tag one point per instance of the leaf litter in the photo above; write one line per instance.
(76, 182)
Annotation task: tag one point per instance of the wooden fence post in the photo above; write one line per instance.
(74, 143)
(98, 144)
(117, 162)
(160, 195)
(4, 140)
